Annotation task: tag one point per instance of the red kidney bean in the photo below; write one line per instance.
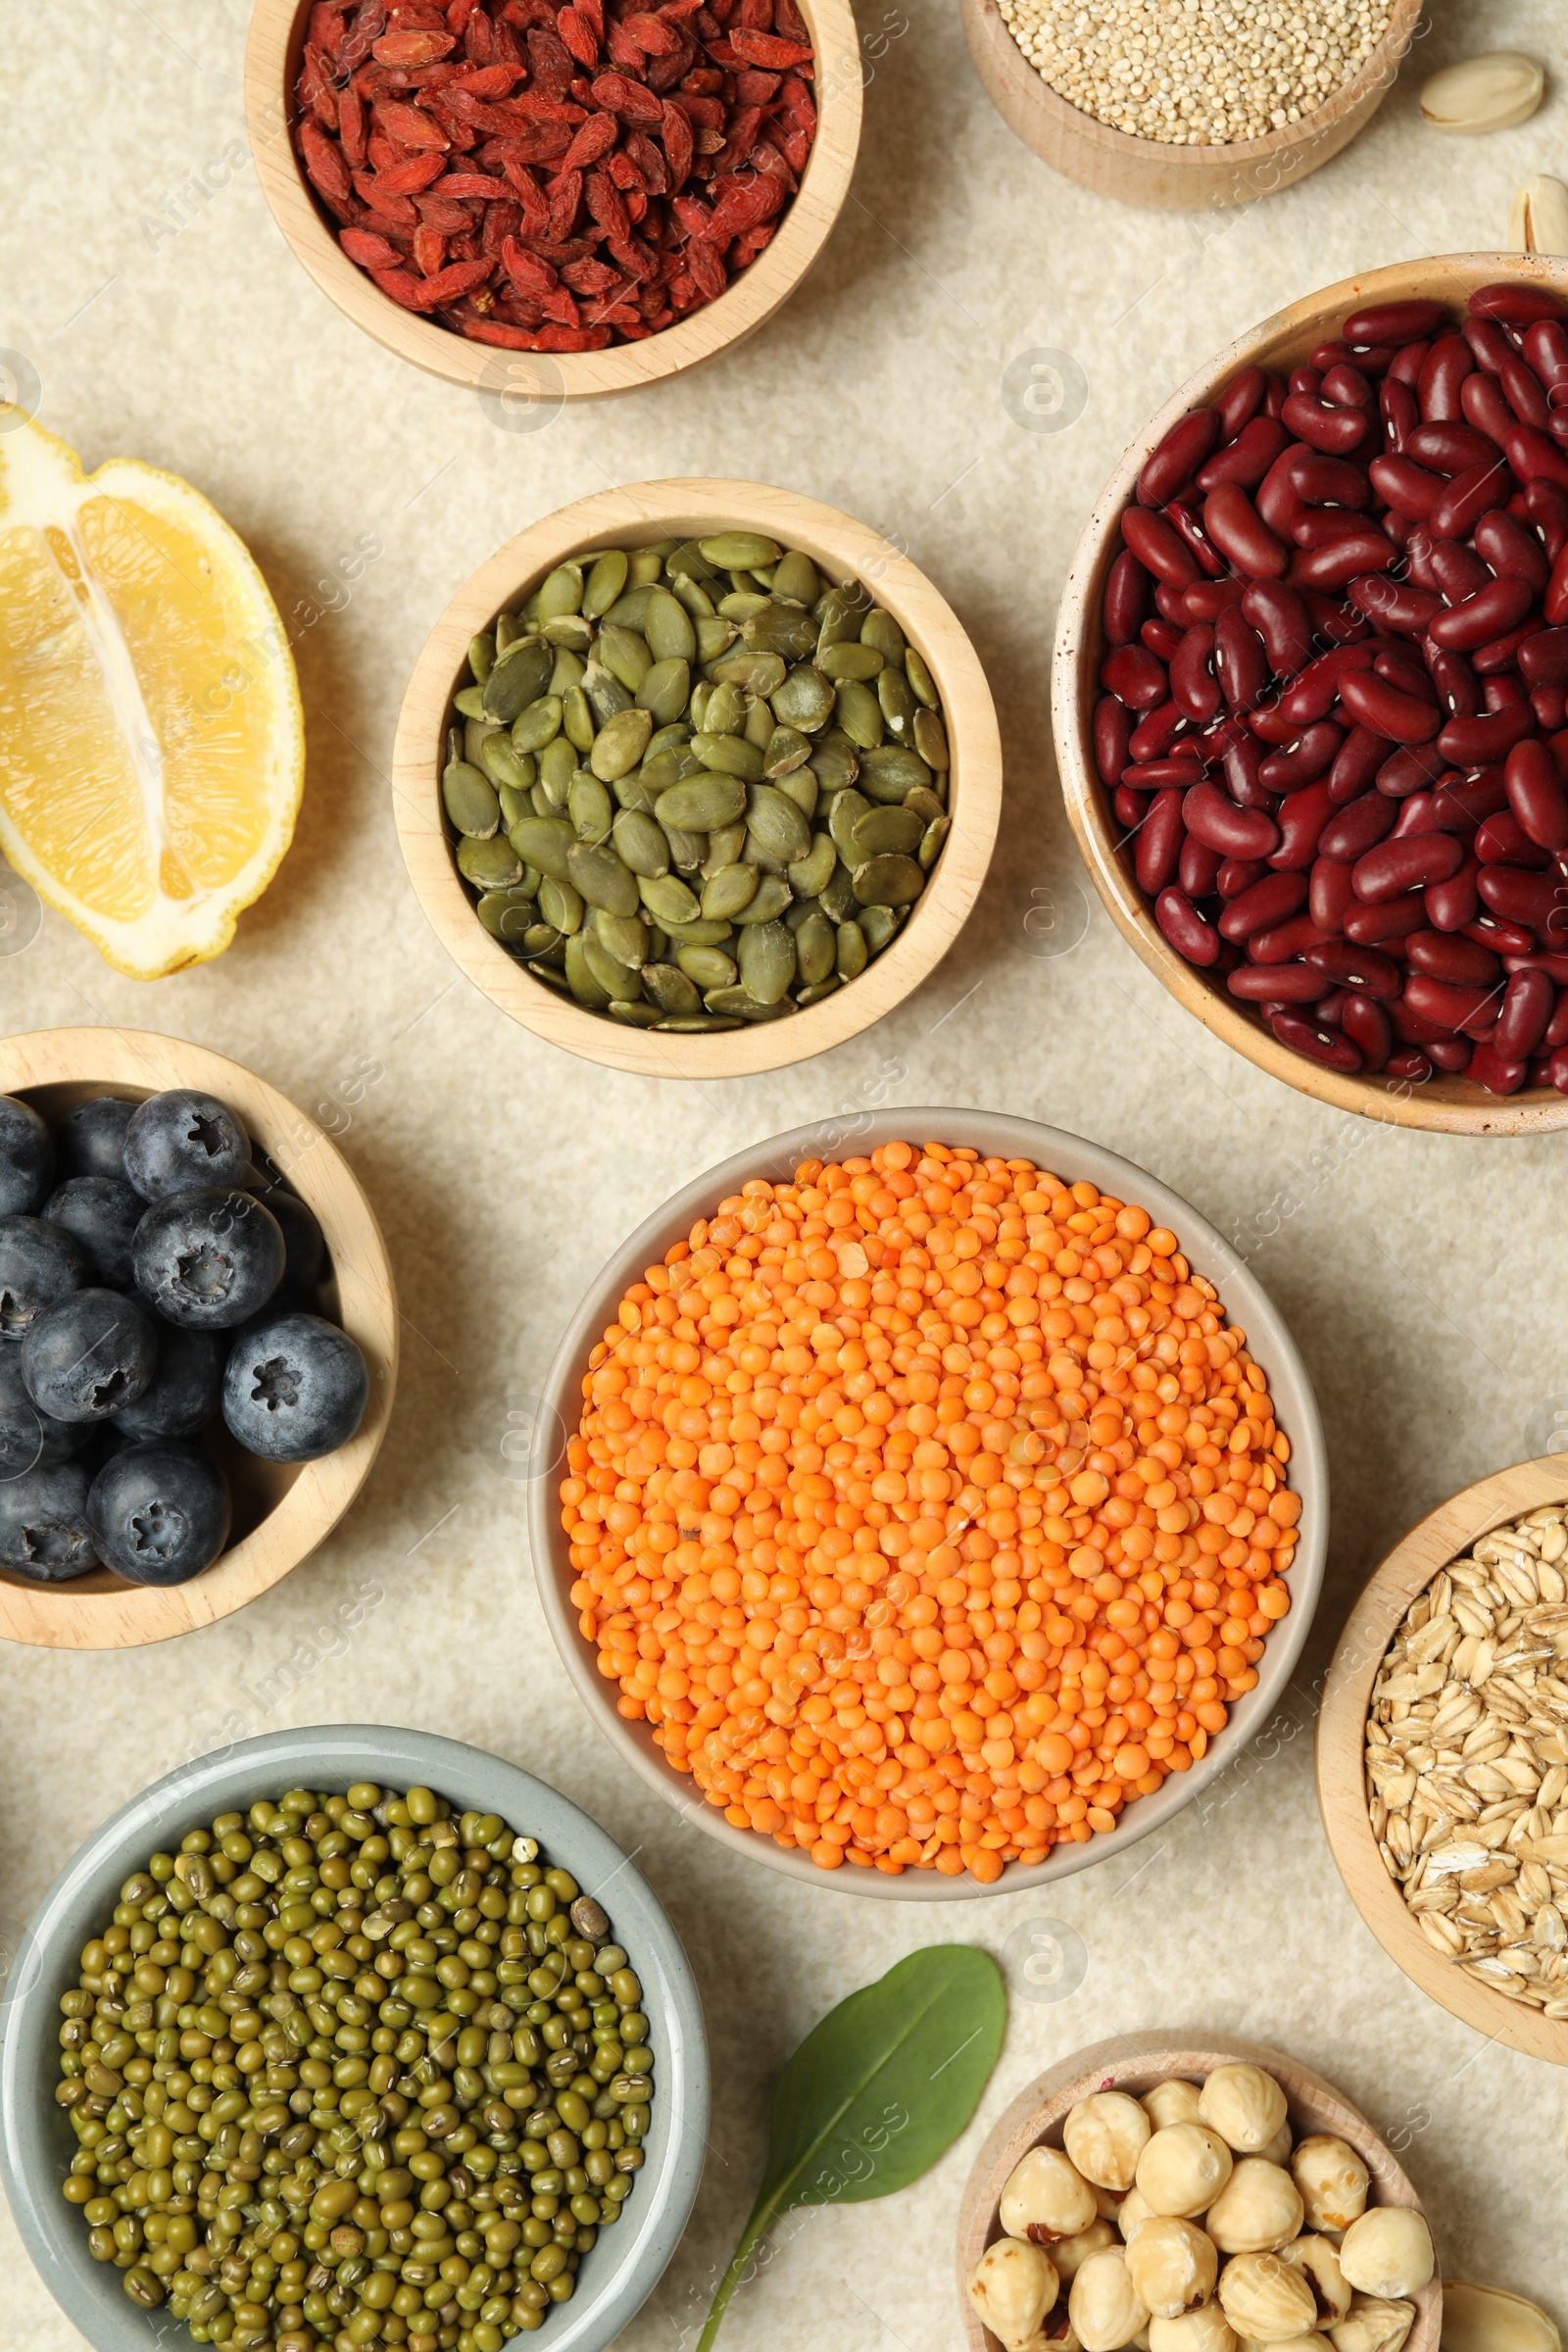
(1488, 345)
(1345, 386)
(1243, 763)
(1449, 449)
(1240, 401)
(1193, 683)
(1237, 529)
(1126, 598)
(1410, 489)
(1393, 322)
(1408, 1062)
(1398, 526)
(1516, 305)
(1275, 983)
(1404, 667)
(1444, 955)
(1332, 622)
(1458, 571)
(1460, 807)
(1327, 481)
(1393, 867)
(1546, 504)
(1280, 619)
(1474, 741)
(1513, 552)
(1375, 926)
(1486, 409)
(1554, 602)
(1155, 732)
(1415, 816)
(1455, 682)
(1546, 351)
(1556, 1030)
(1534, 457)
(1544, 658)
(1318, 1042)
(1239, 662)
(1112, 728)
(1523, 391)
(1159, 843)
(1536, 795)
(1189, 934)
(1197, 870)
(1213, 818)
(1468, 497)
(1483, 614)
(1267, 903)
(1155, 545)
(1470, 1009)
(1284, 941)
(1314, 691)
(1542, 960)
(1396, 407)
(1507, 939)
(1450, 905)
(1128, 808)
(1366, 1024)
(1452, 1056)
(1154, 775)
(1502, 841)
(1374, 701)
(1356, 765)
(1329, 894)
(1549, 705)
(1498, 653)
(1334, 431)
(1326, 526)
(1160, 638)
(1346, 561)
(1526, 1010)
(1270, 724)
(1171, 603)
(1493, 1070)
(1246, 459)
(1537, 902)
(1447, 364)
(1413, 767)
(1306, 383)
(1237, 875)
(1273, 395)
(1206, 599)
(1364, 969)
(1350, 832)
(1134, 675)
(1305, 760)
(1280, 506)
(1417, 558)
(1302, 817)
(1396, 604)
(1175, 459)
(1189, 530)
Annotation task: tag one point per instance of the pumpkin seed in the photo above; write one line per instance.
(899, 706)
(580, 978)
(697, 1024)
(567, 671)
(632, 793)
(624, 935)
(705, 800)
(669, 898)
(667, 987)
(544, 841)
(558, 765)
(725, 893)
(468, 741)
(775, 824)
(667, 627)
(754, 673)
(780, 629)
(729, 755)
(931, 739)
(725, 844)
(888, 881)
(602, 878)
(741, 604)
(786, 750)
(923, 802)
(635, 1015)
(618, 979)
(773, 895)
(619, 745)
(803, 700)
(470, 800)
(630, 611)
(702, 695)
(647, 564)
(685, 849)
(715, 636)
(853, 954)
(560, 905)
(561, 591)
(809, 876)
(590, 808)
(503, 764)
(835, 761)
(640, 843)
(801, 788)
(481, 656)
(507, 914)
(879, 923)
(889, 771)
(517, 679)
(468, 702)
(766, 958)
(859, 714)
(738, 551)
(708, 967)
(931, 840)
(849, 659)
(671, 767)
(513, 803)
(725, 711)
(605, 582)
(624, 654)
(847, 810)
(694, 596)
(794, 577)
(578, 721)
(886, 832)
(543, 940)
(837, 895)
(815, 994)
(700, 934)
(542, 970)
(606, 694)
(838, 619)
(815, 949)
(666, 690)
(492, 864)
(509, 628)
(570, 631)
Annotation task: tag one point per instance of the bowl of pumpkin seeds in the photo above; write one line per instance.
(698, 778)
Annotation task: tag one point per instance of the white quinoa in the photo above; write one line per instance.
(1196, 72)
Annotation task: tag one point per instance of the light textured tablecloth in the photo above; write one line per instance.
(1422, 1275)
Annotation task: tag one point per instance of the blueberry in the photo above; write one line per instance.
(179, 1140)
(38, 1264)
(103, 1213)
(91, 1141)
(88, 1354)
(159, 1513)
(296, 1388)
(26, 1158)
(43, 1525)
(30, 1439)
(184, 1390)
(209, 1259)
(302, 1240)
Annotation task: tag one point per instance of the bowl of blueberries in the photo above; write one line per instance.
(198, 1337)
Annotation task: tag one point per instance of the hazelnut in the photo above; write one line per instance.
(1332, 2178)
(1258, 2207)
(1135, 2208)
(1205, 2329)
(1108, 2202)
(1046, 2197)
(1172, 2264)
(1105, 2135)
(1069, 2254)
(1266, 2300)
(1171, 2102)
(1183, 2169)
(1278, 2150)
(1372, 2324)
(1318, 2261)
(1105, 2306)
(1387, 2252)
(1243, 2105)
(1012, 2286)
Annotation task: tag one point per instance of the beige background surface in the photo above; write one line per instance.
(1423, 1276)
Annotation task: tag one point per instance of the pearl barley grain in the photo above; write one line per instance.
(1197, 72)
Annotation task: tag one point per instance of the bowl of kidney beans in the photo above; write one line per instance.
(1312, 694)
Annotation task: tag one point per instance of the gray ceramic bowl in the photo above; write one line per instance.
(36, 2142)
(1072, 1157)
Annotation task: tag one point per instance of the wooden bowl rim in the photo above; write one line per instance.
(1377, 72)
(1450, 1106)
(804, 231)
(1246, 1301)
(126, 1615)
(837, 542)
(1444, 1534)
(1135, 2062)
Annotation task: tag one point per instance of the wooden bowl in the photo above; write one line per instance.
(1455, 1105)
(1441, 1537)
(1072, 1157)
(635, 515)
(1148, 171)
(1134, 2063)
(282, 1510)
(272, 67)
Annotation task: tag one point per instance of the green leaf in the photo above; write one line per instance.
(877, 2092)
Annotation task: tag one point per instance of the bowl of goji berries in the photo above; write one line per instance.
(555, 198)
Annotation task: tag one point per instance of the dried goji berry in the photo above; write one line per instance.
(327, 28)
(323, 162)
(368, 250)
(416, 48)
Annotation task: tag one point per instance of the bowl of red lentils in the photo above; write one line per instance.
(928, 1501)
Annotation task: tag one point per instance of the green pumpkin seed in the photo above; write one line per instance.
(741, 604)
(738, 551)
(514, 804)
(794, 577)
(507, 914)
(853, 954)
(468, 702)
(800, 912)
(837, 895)
(510, 626)
(715, 636)
(879, 923)
(470, 800)
(725, 844)
(702, 695)
(693, 596)
(629, 612)
(666, 690)
(923, 802)
(899, 706)
(635, 1015)
(624, 654)
(707, 967)
(580, 977)
(667, 629)
(607, 696)
(492, 864)
(578, 720)
(661, 769)
(725, 893)
(619, 979)
(570, 632)
(668, 899)
(729, 755)
(775, 825)
(835, 761)
(568, 671)
(602, 878)
(700, 934)
(590, 808)
(626, 936)
(605, 582)
(889, 772)
(545, 800)
(685, 849)
(759, 727)
(705, 801)
(815, 949)
(537, 724)
(561, 591)
(503, 764)
(481, 656)
(786, 750)
(734, 1000)
(697, 1024)
(541, 969)
(887, 832)
(647, 564)
(560, 905)
(687, 561)
(726, 712)
(754, 673)
(667, 987)
(859, 714)
(922, 684)
(766, 958)
(888, 881)
(631, 793)
(880, 630)
(619, 745)
(809, 876)
(780, 629)
(849, 659)
(839, 615)
(815, 994)
(774, 895)
(801, 788)
(847, 810)
(475, 734)
(519, 678)
(558, 765)
(931, 841)
(544, 842)
(640, 843)
(931, 740)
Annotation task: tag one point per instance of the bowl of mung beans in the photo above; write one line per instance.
(697, 778)
(919, 1515)
(351, 2034)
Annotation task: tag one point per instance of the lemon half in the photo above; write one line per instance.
(152, 744)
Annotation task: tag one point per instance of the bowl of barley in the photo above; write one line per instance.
(1443, 1756)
